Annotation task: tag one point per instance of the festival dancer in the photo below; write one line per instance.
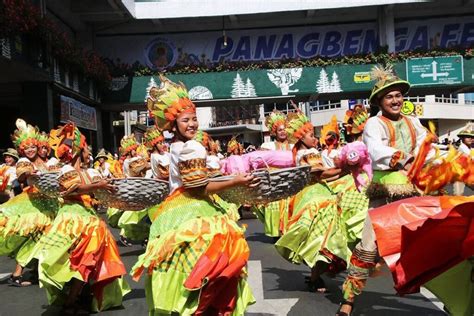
(25, 217)
(44, 150)
(132, 224)
(275, 215)
(159, 158)
(11, 157)
(234, 147)
(79, 249)
(392, 140)
(196, 256)
(354, 122)
(467, 136)
(330, 142)
(316, 233)
(102, 165)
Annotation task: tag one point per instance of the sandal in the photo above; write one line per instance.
(318, 286)
(18, 281)
(346, 302)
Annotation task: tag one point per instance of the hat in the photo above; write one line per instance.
(385, 80)
(25, 135)
(167, 102)
(101, 154)
(468, 130)
(67, 141)
(43, 140)
(127, 144)
(12, 153)
(355, 119)
(153, 136)
(274, 120)
(297, 126)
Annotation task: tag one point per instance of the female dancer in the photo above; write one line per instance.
(196, 256)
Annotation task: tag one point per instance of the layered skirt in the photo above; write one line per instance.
(195, 259)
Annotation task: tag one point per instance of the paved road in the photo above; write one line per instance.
(278, 284)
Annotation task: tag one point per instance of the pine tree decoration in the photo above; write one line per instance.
(250, 89)
(238, 88)
(151, 84)
(322, 85)
(335, 85)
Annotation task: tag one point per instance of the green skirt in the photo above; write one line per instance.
(195, 259)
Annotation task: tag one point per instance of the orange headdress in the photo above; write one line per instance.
(25, 135)
(234, 144)
(330, 130)
(67, 141)
(274, 120)
(167, 102)
(297, 126)
(355, 119)
(153, 136)
(127, 144)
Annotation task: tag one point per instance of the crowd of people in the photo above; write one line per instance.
(375, 196)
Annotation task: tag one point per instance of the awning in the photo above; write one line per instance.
(445, 74)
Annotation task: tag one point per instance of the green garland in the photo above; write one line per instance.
(381, 57)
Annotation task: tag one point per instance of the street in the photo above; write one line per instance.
(278, 286)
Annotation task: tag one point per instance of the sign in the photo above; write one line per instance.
(72, 110)
(408, 107)
(446, 70)
(201, 48)
(362, 77)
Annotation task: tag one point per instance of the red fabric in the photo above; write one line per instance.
(423, 237)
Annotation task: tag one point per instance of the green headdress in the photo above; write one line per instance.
(385, 79)
(275, 119)
(297, 126)
(25, 135)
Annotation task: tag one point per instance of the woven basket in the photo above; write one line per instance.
(274, 185)
(47, 183)
(134, 194)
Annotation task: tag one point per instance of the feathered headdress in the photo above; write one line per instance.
(167, 102)
(385, 79)
(355, 119)
(153, 136)
(234, 144)
(203, 138)
(328, 130)
(127, 144)
(274, 120)
(297, 126)
(43, 140)
(25, 135)
(67, 141)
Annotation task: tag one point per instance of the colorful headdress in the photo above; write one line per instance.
(355, 119)
(203, 138)
(127, 144)
(297, 126)
(274, 120)
(386, 79)
(153, 136)
(167, 102)
(234, 144)
(43, 140)
(468, 130)
(25, 135)
(330, 129)
(67, 141)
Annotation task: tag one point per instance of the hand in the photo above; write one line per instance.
(246, 179)
(106, 185)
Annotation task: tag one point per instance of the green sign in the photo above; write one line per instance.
(446, 70)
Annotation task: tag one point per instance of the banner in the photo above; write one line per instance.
(72, 110)
(166, 50)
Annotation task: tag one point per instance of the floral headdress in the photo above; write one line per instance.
(167, 102)
(330, 129)
(25, 135)
(297, 126)
(153, 136)
(234, 144)
(127, 144)
(274, 120)
(355, 119)
(386, 79)
(67, 141)
(203, 138)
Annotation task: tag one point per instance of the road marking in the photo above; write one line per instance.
(281, 306)
(432, 298)
(4, 276)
